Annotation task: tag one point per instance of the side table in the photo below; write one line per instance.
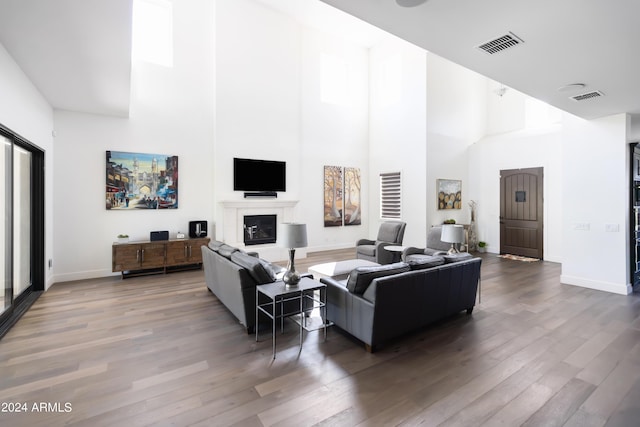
(397, 251)
(277, 294)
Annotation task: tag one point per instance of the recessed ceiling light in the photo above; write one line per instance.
(572, 86)
(410, 3)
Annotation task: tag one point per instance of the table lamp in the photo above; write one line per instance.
(293, 236)
(453, 234)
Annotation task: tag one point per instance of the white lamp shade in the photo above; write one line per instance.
(293, 235)
(452, 233)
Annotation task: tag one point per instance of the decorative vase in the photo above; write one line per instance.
(473, 236)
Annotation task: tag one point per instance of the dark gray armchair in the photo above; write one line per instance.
(390, 233)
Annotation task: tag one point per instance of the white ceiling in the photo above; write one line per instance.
(595, 42)
(78, 52)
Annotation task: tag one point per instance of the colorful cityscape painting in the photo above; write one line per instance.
(141, 181)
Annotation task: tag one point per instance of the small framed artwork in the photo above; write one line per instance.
(449, 194)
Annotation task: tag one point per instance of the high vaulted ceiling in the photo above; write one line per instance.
(78, 52)
(592, 42)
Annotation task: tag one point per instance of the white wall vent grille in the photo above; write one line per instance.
(588, 95)
(501, 43)
(390, 195)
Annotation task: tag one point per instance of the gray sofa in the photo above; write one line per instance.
(232, 275)
(377, 304)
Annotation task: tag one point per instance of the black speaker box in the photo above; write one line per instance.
(159, 235)
(197, 229)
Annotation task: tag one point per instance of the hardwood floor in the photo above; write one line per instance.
(161, 350)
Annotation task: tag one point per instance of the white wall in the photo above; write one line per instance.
(398, 132)
(172, 113)
(268, 106)
(514, 150)
(586, 170)
(25, 111)
(456, 118)
(333, 134)
(596, 192)
(510, 145)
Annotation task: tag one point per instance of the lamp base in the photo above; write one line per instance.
(453, 250)
(291, 277)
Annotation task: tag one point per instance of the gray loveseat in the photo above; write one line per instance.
(232, 275)
(377, 304)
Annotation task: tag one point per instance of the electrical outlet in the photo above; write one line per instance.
(612, 228)
(581, 226)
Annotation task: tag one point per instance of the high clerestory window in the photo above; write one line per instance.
(152, 32)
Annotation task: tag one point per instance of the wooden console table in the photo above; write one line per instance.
(146, 257)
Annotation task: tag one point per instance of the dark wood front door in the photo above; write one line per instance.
(521, 210)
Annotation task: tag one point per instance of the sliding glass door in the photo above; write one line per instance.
(21, 221)
(6, 263)
(22, 233)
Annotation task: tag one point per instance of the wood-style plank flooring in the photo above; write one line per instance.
(162, 350)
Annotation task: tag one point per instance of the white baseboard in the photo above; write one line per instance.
(83, 275)
(616, 288)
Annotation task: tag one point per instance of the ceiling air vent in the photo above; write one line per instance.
(501, 43)
(588, 95)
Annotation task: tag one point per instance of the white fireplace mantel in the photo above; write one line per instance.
(234, 212)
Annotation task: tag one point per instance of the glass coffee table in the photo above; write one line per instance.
(309, 294)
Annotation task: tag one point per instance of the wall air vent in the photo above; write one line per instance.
(588, 95)
(501, 43)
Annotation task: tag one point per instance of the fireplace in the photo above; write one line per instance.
(232, 227)
(259, 229)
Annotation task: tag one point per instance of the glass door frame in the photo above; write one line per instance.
(21, 304)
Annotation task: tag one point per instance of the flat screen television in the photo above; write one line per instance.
(259, 175)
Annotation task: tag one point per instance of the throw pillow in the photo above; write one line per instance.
(253, 266)
(462, 256)
(272, 269)
(215, 245)
(361, 277)
(420, 262)
(226, 250)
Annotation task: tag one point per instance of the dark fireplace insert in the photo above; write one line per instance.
(259, 229)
